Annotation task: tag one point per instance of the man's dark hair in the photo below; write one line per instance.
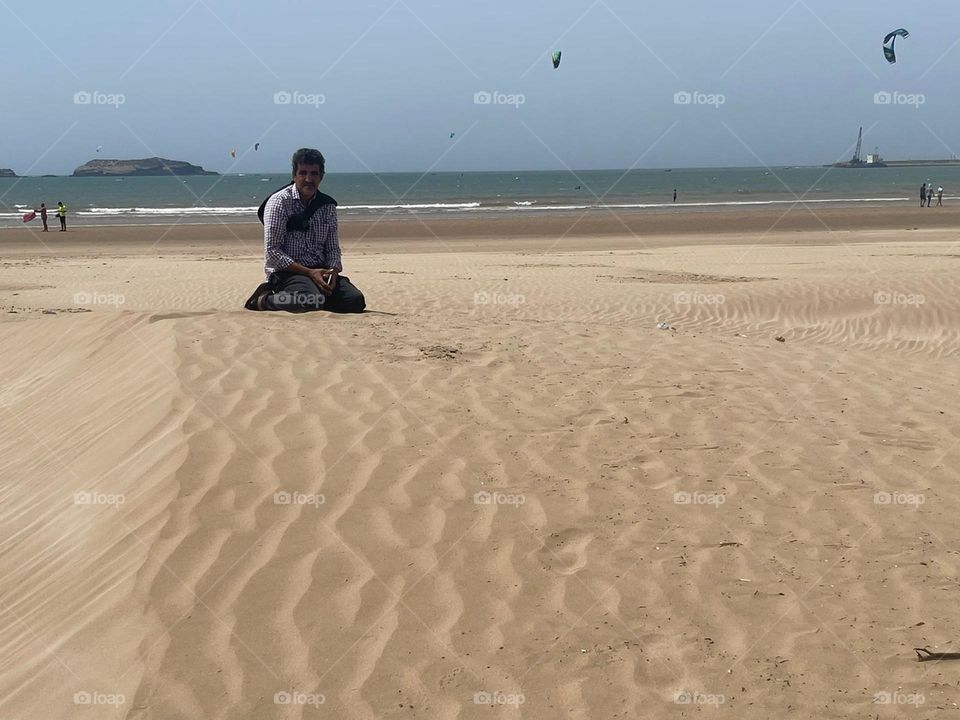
(307, 156)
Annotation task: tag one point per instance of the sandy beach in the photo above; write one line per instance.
(501, 492)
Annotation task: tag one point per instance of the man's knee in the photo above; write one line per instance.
(353, 303)
(348, 299)
(351, 300)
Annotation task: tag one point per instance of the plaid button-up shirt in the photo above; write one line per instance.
(318, 247)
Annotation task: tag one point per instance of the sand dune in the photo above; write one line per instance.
(503, 493)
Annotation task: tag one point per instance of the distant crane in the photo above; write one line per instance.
(856, 155)
(856, 161)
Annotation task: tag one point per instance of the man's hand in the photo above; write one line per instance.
(324, 278)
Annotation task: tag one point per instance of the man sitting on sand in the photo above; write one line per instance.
(301, 247)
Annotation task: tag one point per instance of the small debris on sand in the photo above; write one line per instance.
(444, 352)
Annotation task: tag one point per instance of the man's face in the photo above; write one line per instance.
(307, 178)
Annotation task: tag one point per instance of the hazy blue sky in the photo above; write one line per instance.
(199, 77)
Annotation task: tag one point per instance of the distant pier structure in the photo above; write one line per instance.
(875, 160)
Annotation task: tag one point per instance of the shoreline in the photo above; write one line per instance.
(621, 230)
(121, 217)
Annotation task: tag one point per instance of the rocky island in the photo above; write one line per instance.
(5, 172)
(133, 168)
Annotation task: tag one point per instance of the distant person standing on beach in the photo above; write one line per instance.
(930, 195)
(940, 196)
(43, 215)
(923, 195)
(62, 214)
(674, 194)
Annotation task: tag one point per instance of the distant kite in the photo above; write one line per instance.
(99, 148)
(556, 59)
(256, 146)
(889, 51)
(233, 153)
(451, 135)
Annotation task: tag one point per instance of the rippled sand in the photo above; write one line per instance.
(504, 492)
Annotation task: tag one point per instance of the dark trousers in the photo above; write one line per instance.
(63, 222)
(298, 293)
(44, 221)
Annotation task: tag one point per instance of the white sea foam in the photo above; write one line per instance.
(732, 203)
(219, 211)
(140, 215)
(166, 212)
(419, 206)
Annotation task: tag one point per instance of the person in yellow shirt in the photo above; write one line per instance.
(62, 214)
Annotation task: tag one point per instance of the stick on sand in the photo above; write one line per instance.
(923, 655)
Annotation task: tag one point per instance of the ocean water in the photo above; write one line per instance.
(235, 198)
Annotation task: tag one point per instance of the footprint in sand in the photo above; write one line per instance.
(451, 677)
(565, 552)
